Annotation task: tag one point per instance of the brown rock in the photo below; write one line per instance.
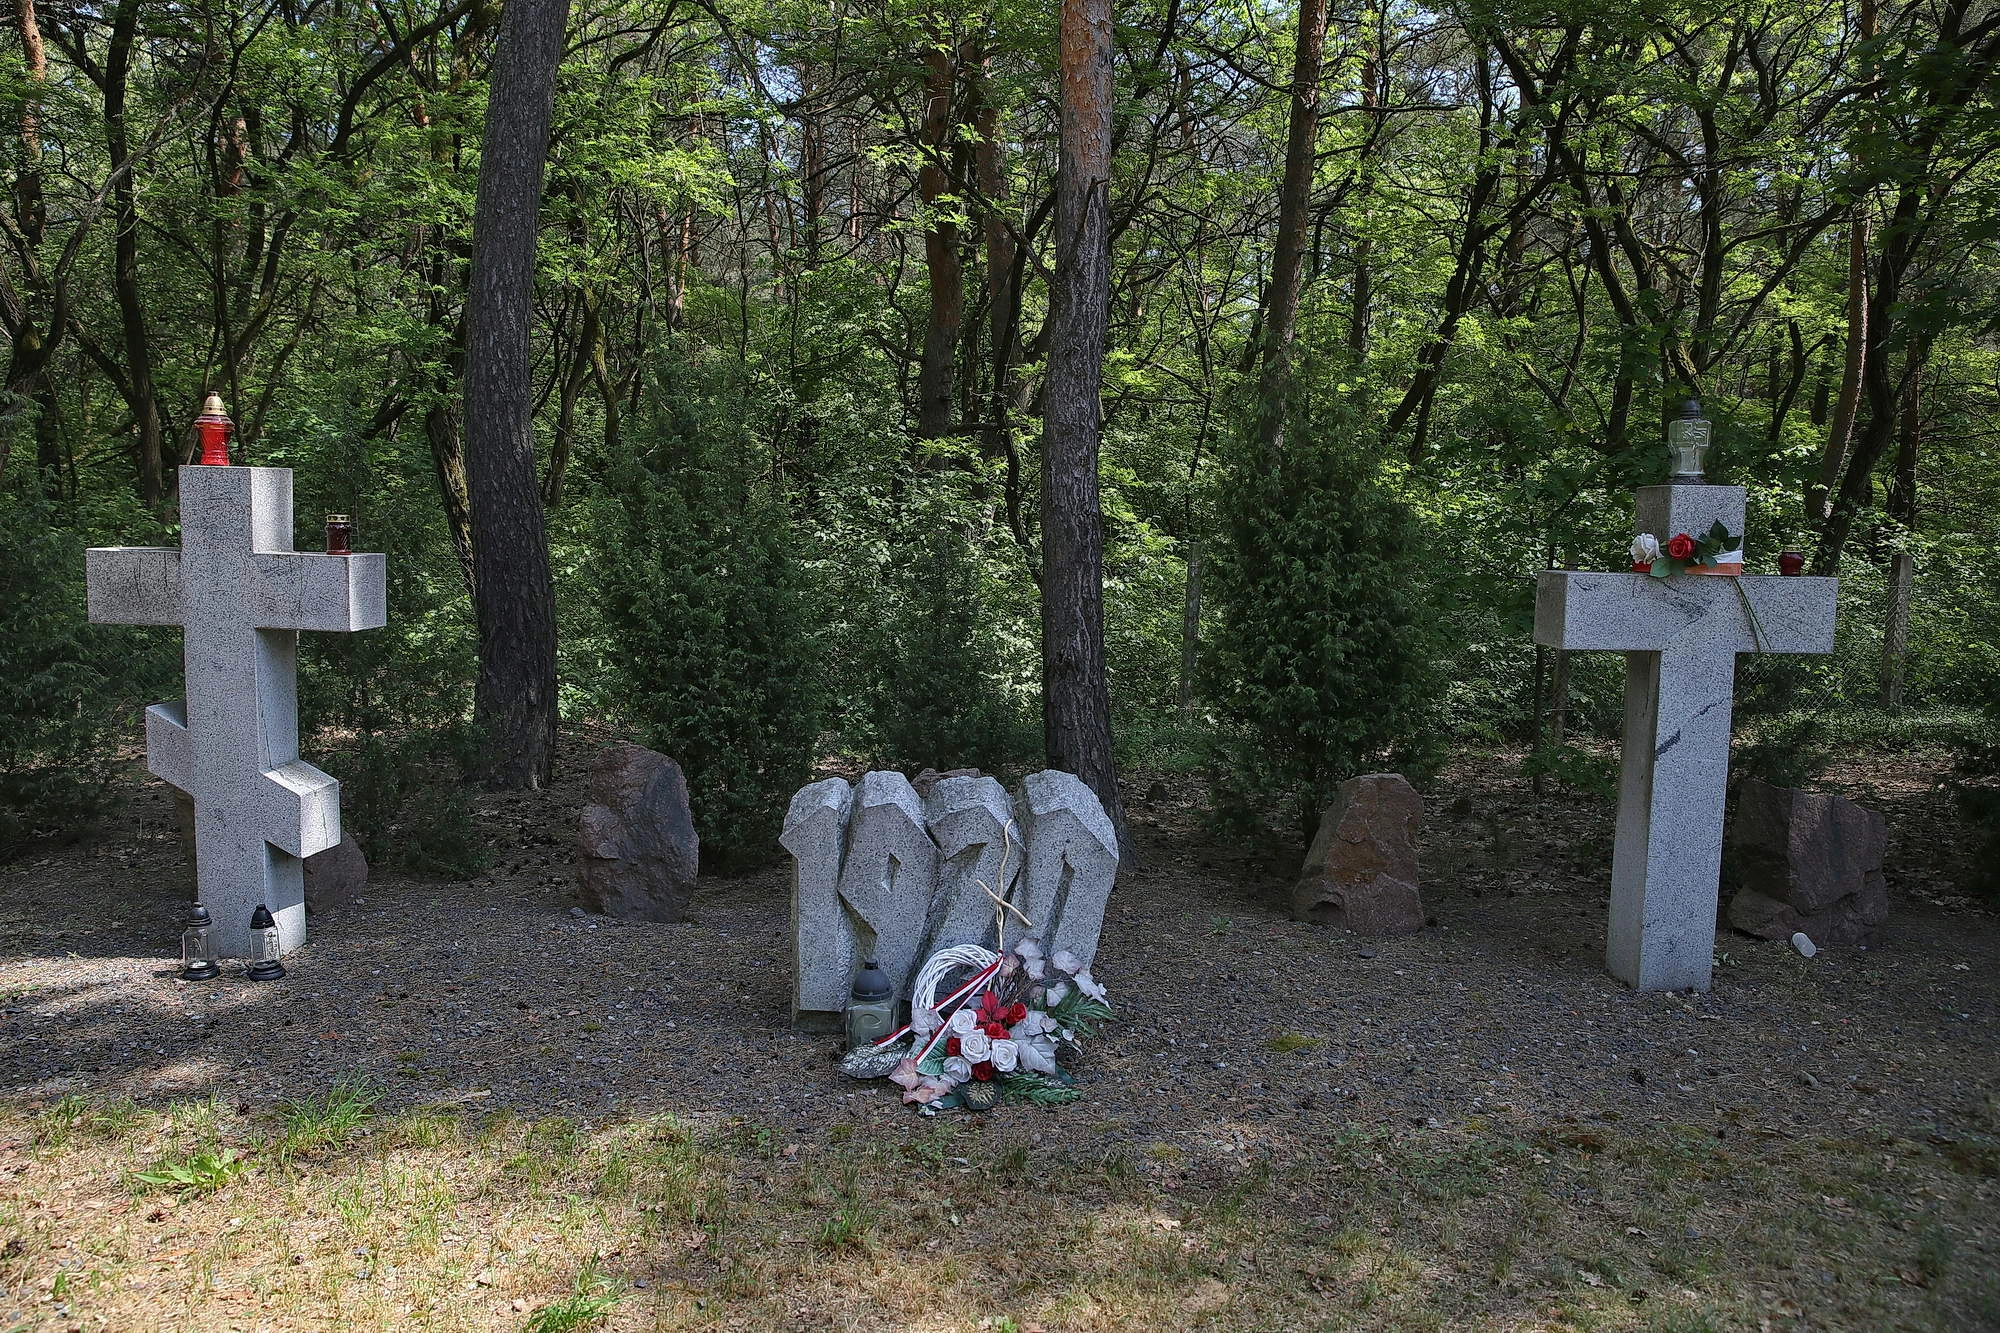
(1808, 862)
(926, 782)
(637, 851)
(1361, 872)
(336, 876)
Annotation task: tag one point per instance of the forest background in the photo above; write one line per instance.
(1399, 300)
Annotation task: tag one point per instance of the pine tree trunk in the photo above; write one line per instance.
(1294, 211)
(1191, 629)
(1076, 703)
(942, 262)
(515, 702)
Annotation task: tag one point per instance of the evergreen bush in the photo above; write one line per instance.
(68, 690)
(1319, 666)
(701, 596)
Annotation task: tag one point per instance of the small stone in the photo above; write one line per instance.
(1361, 872)
(1807, 864)
(1803, 943)
(637, 849)
(336, 877)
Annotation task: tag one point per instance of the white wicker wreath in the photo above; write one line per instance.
(924, 1017)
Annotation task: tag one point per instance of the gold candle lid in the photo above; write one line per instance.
(338, 518)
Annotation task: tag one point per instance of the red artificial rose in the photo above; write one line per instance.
(995, 1030)
(951, 1046)
(983, 1071)
(1680, 546)
(1016, 1012)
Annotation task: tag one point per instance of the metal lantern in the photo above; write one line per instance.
(198, 947)
(264, 964)
(871, 1009)
(1687, 442)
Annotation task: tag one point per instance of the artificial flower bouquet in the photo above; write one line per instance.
(1714, 552)
(1006, 1034)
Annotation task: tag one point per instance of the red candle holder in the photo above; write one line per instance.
(339, 534)
(1791, 563)
(215, 428)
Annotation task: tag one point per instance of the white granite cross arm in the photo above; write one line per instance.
(241, 594)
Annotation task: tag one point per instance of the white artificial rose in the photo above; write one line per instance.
(958, 1069)
(1645, 549)
(975, 1046)
(1006, 1055)
(964, 1021)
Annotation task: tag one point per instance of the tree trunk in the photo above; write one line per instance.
(1076, 702)
(1294, 212)
(1902, 508)
(514, 704)
(1841, 434)
(1191, 629)
(138, 383)
(1846, 405)
(942, 262)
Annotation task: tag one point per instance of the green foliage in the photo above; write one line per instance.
(202, 1172)
(67, 688)
(595, 1296)
(702, 600)
(930, 656)
(1320, 665)
(323, 1120)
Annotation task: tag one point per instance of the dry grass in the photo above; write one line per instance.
(431, 1219)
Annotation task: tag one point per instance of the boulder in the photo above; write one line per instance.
(336, 876)
(637, 851)
(1804, 861)
(1361, 872)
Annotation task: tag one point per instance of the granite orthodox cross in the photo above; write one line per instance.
(1680, 636)
(240, 594)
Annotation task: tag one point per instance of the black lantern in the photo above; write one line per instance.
(264, 964)
(198, 947)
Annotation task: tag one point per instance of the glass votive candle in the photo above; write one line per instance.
(339, 534)
(1791, 563)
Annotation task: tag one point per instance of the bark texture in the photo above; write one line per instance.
(1076, 703)
(515, 702)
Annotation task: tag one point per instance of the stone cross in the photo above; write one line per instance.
(240, 595)
(1680, 636)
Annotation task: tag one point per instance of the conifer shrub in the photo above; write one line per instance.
(936, 681)
(69, 691)
(1319, 666)
(701, 599)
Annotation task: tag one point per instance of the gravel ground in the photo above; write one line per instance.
(494, 994)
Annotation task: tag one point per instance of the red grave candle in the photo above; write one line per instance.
(1791, 563)
(215, 428)
(339, 534)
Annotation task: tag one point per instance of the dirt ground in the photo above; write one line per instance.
(1249, 1046)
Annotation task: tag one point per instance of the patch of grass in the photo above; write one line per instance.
(326, 1119)
(1285, 1043)
(848, 1228)
(198, 1173)
(591, 1302)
